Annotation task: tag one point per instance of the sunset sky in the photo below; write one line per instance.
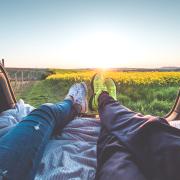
(90, 33)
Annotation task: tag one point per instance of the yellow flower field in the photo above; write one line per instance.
(138, 78)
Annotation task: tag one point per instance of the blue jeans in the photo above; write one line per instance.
(21, 149)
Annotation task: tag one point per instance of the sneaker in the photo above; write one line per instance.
(111, 87)
(78, 94)
(98, 86)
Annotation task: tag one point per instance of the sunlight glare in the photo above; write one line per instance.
(100, 50)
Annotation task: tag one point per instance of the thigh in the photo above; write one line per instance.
(120, 166)
(21, 149)
(5, 130)
(114, 161)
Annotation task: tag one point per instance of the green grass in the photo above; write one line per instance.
(44, 91)
(155, 100)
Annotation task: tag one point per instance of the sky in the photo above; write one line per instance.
(90, 33)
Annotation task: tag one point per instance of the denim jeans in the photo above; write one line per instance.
(21, 149)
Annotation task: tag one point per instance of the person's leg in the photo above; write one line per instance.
(114, 160)
(117, 118)
(138, 146)
(22, 148)
(149, 142)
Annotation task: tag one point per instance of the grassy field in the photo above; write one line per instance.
(145, 92)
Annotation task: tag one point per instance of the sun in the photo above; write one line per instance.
(99, 50)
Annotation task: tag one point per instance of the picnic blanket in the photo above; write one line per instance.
(69, 155)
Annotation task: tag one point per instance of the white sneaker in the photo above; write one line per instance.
(78, 93)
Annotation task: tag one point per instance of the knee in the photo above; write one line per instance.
(46, 111)
(47, 108)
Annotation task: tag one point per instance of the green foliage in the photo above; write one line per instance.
(46, 74)
(44, 91)
(155, 100)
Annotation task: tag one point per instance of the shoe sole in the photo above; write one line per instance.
(86, 93)
(92, 96)
(113, 81)
(92, 88)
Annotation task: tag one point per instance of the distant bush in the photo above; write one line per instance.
(46, 74)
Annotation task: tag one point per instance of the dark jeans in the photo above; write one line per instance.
(135, 147)
(21, 149)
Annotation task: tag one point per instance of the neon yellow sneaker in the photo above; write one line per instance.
(111, 87)
(98, 86)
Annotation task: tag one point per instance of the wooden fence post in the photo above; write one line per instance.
(15, 80)
(3, 63)
(22, 77)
